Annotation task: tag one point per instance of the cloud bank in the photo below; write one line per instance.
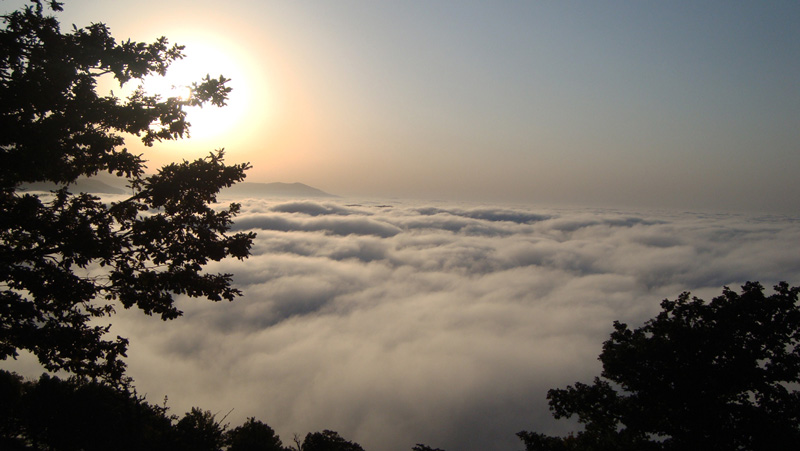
(439, 324)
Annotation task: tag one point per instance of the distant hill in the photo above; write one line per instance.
(101, 184)
(276, 189)
(106, 184)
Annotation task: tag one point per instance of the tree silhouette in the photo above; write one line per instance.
(198, 430)
(328, 441)
(68, 260)
(713, 376)
(253, 435)
(421, 447)
(11, 391)
(77, 414)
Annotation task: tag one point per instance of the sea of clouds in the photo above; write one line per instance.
(401, 323)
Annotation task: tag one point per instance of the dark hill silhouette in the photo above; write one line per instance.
(108, 184)
(100, 184)
(275, 189)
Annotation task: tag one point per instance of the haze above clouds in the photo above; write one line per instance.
(679, 104)
(431, 323)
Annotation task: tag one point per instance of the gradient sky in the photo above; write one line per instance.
(677, 104)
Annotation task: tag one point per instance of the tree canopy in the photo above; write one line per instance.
(78, 414)
(75, 414)
(328, 440)
(253, 435)
(69, 259)
(715, 376)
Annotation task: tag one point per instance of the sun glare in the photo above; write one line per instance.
(166, 89)
(212, 126)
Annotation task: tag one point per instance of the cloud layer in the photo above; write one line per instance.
(438, 324)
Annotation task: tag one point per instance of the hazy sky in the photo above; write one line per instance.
(665, 104)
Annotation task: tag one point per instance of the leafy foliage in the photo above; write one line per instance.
(421, 447)
(77, 414)
(253, 435)
(328, 441)
(68, 259)
(719, 375)
(199, 430)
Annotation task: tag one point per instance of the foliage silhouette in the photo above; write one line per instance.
(198, 430)
(328, 441)
(67, 260)
(714, 376)
(77, 414)
(421, 447)
(253, 435)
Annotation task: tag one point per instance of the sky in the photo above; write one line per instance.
(682, 105)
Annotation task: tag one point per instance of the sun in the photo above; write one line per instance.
(254, 111)
(167, 87)
(201, 59)
(210, 125)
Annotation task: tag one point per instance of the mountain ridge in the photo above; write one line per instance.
(113, 185)
(279, 189)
